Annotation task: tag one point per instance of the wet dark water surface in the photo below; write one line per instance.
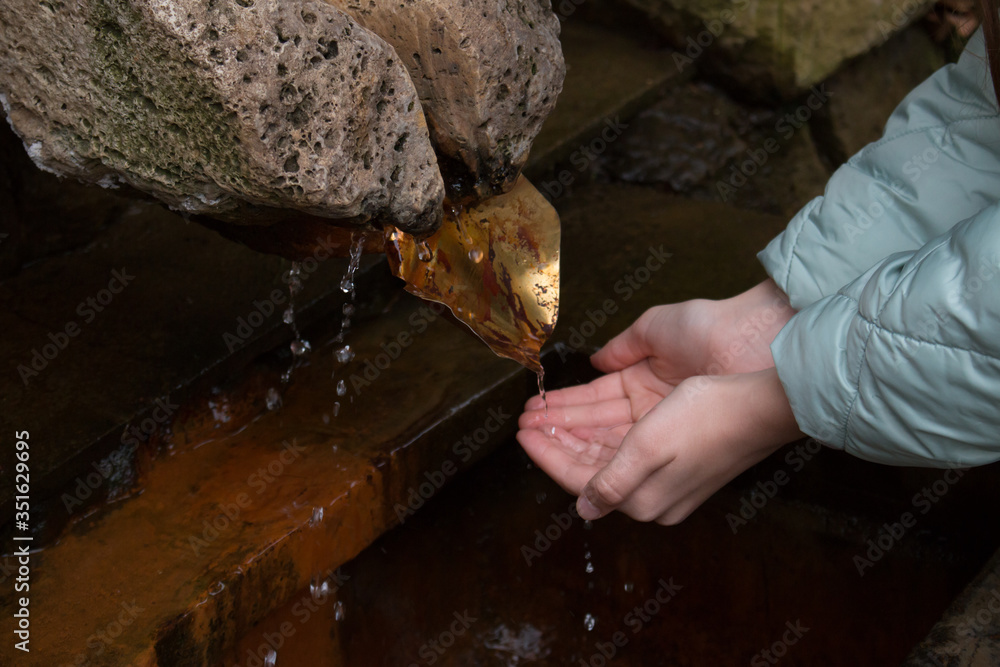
(495, 570)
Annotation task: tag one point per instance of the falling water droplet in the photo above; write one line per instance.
(271, 659)
(316, 517)
(541, 391)
(586, 556)
(590, 568)
(589, 622)
(476, 255)
(348, 309)
(588, 524)
(341, 388)
(344, 354)
(300, 347)
(629, 586)
(336, 408)
(273, 399)
(338, 611)
(357, 246)
(319, 587)
(294, 279)
(288, 317)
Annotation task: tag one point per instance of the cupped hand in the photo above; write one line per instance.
(683, 382)
(631, 442)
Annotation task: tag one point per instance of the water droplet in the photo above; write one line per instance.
(316, 517)
(540, 497)
(344, 354)
(326, 418)
(300, 347)
(286, 376)
(629, 586)
(338, 611)
(288, 316)
(550, 431)
(476, 255)
(273, 399)
(588, 524)
(341, 388)
(271, 659)
(357, 246)
(348, 309)
(586, 556)
(424, 253)
(589, 622)
(336, 408)
(590, 568)
(319, 587)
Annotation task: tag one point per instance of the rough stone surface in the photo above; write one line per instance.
(488, 74)
(866, 91)
(966, 635)
(680, 141)
(770, 48)
(229, 108)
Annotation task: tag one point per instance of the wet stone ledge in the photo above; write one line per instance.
(243, 512)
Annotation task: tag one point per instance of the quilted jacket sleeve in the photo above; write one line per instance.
(902, 365)
(938, 163)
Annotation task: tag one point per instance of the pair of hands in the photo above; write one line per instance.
(690, 399)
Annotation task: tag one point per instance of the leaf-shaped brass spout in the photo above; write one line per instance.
(495, 265)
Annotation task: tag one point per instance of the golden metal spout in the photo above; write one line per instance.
(495, 265)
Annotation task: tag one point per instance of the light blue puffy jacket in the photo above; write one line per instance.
(895, 354)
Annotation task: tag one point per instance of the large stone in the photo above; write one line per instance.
(865, 92)
(681, 141)
(488, 74)
(774, 48)
(233, 108)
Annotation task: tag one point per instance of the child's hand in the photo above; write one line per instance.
(657, 401)
(618, 447)
(702, 337)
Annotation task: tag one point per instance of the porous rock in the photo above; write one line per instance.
(231, 108)
(488, 73)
